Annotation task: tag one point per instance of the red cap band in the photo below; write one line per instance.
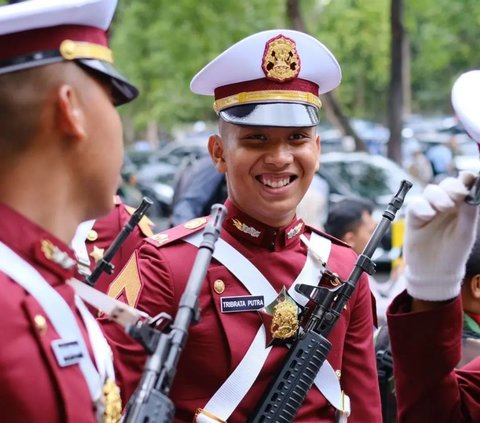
(45, 39)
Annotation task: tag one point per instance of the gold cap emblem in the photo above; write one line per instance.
(219, 286)
(195, 223)
(280, 59)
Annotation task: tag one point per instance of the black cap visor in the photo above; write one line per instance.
(272, 114)
(122, 90)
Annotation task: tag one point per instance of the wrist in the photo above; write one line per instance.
(431, 287)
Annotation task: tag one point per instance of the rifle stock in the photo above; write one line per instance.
(288, 390)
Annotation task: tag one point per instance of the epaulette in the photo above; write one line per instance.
(177, 232)
(145, 224)
(330, 237)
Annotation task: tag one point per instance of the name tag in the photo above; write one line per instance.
(242, 303)
(67, 352)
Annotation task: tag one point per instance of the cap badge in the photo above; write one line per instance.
(280, 59)
(53, 253)
(245, 228)
(294, 231)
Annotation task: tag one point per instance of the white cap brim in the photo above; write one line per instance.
(272, 114)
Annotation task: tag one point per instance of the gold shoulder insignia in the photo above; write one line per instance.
(160, 238)
(127, 282)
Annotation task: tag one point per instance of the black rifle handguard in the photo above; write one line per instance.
(288, 390)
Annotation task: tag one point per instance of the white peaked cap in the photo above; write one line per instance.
(466, 102)
(271, 78)
(39, 32)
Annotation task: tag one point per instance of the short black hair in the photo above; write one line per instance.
(346, 215)
(472, 267)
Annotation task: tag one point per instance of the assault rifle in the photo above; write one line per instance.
(150, 401)
(105, 265)
(287, 392)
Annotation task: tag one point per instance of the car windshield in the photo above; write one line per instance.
(367, 179)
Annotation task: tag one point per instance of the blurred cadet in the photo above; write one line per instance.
(129, 190)
(313, 209)
(471, 306)
(440, 156)
(266, 90)
(417, 164)
(351, 221)
(425, 322)
(93, 238)
(61, 150)
(198, 187)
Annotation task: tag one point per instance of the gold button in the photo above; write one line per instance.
(40, 323)
(195, 223)
(219, 286)
(338, 373)
(92, 235)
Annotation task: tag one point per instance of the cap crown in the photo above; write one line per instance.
(466, 102)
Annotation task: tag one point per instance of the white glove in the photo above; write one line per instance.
(440, 232)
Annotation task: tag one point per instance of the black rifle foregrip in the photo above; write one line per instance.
(291, 385)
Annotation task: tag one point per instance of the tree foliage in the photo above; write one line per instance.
(161, 44)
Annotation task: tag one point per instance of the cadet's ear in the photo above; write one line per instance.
(70, 116)
(216, 150)
(475, 286)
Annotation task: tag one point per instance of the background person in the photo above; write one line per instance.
(269, 151)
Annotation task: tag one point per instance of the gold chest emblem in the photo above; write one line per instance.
(112, 402)
(280, 59)
(285, 319)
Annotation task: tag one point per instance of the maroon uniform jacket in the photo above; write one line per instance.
(154, 280)
(104, 232)
(426, 348)
(33, 386)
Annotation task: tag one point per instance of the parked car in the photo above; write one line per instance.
(368, 176)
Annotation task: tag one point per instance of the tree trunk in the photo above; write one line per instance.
(332, 108)
(395, 101)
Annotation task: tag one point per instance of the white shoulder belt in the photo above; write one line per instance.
(64, 322)
(234, 389)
